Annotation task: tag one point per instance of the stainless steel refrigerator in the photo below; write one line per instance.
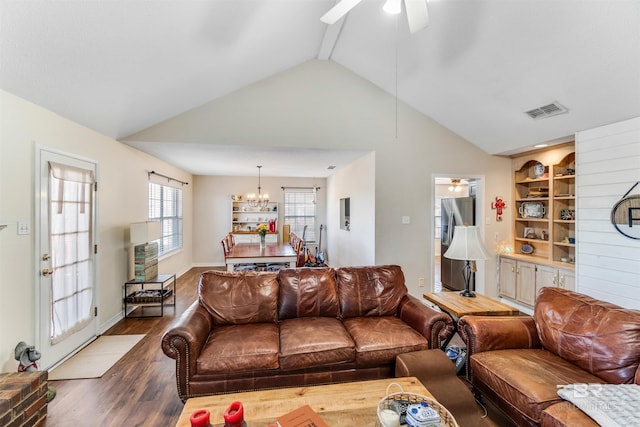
(457, 211)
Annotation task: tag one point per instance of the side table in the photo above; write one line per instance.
(149, 293)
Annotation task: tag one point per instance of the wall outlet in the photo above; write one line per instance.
(421, 282)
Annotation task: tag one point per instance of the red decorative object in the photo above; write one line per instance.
(200, 418)
(498, 205)
(234, 415)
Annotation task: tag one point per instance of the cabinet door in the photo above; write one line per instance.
(546, 276)
(507, 278)
(526, 282)
(567, 279)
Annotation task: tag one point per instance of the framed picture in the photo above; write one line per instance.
(528, 232)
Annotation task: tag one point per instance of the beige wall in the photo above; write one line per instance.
(122, 199)
(212, 209)
(356, 246)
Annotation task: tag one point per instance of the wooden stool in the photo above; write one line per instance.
(438, 374)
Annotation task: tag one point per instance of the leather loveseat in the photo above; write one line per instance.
(518, 362)
(298, 327)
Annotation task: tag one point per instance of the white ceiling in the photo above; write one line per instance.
(121, 66)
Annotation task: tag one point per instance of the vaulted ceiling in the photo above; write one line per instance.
(122, 66)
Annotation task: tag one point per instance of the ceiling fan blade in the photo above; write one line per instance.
(416, 14)
(338, 11)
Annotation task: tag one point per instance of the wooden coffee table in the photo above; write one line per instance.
(456, 306)
(348, 404)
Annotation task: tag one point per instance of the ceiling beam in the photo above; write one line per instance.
(330, 39)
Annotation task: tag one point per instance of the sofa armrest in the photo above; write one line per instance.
(184, 340)
(433, 325)
(486, 333)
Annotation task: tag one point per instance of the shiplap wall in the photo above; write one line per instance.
(607, 166)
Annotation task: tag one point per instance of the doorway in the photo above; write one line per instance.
(65, 250)
(461, 194)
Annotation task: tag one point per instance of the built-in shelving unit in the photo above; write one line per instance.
(245, 220)
(543, 251)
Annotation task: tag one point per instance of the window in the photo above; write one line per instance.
(165, 205)
(300, 210)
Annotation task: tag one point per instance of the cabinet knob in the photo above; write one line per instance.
(47, 272)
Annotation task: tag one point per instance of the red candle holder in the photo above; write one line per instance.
(200, 418)
(234, 415)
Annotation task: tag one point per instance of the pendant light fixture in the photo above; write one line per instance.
(262, 200)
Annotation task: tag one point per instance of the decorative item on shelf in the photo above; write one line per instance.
(261, 200)
(532, 210)
(498, 205)
(262, 231)
(568, 214)
(538, 192)
(538, 170)
(529, 233)
(526, 249)
(467, 246)
(236, 197)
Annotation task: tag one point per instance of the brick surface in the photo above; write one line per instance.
(23, 399)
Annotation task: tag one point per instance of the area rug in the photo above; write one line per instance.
(95, 359)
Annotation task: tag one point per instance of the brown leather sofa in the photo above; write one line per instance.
(298, 327)
(518, 361)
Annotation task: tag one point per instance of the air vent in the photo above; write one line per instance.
(550, 110)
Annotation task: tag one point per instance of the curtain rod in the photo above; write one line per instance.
(300, 188)
(165, 176)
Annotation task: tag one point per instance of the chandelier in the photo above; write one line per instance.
(262, 200)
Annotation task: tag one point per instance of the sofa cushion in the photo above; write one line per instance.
(314, 341)
(236, 298)
(307, 292)
(597, 336)
(238, 348)
(379, 340)
(565, 414)
(370, 291)
(527, 378)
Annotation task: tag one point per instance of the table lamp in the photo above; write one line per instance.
(466, 245)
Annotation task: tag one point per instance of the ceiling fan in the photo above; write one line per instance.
(416, 12)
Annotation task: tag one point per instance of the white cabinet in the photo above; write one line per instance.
(517, 280)
(521, 280)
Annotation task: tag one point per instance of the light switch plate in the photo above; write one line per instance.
(406, 219)
(23, 227)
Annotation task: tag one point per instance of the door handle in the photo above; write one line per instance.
(47, 272)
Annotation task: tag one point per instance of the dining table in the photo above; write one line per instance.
(253, 253)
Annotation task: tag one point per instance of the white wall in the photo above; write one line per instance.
(122, 199)
(357, 245)
(212, 209)
(607, 165)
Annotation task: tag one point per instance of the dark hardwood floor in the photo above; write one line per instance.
(140, 389)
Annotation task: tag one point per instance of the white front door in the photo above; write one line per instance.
(65, 285)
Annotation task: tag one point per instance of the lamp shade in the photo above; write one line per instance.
(143, 232)
(466, 244)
